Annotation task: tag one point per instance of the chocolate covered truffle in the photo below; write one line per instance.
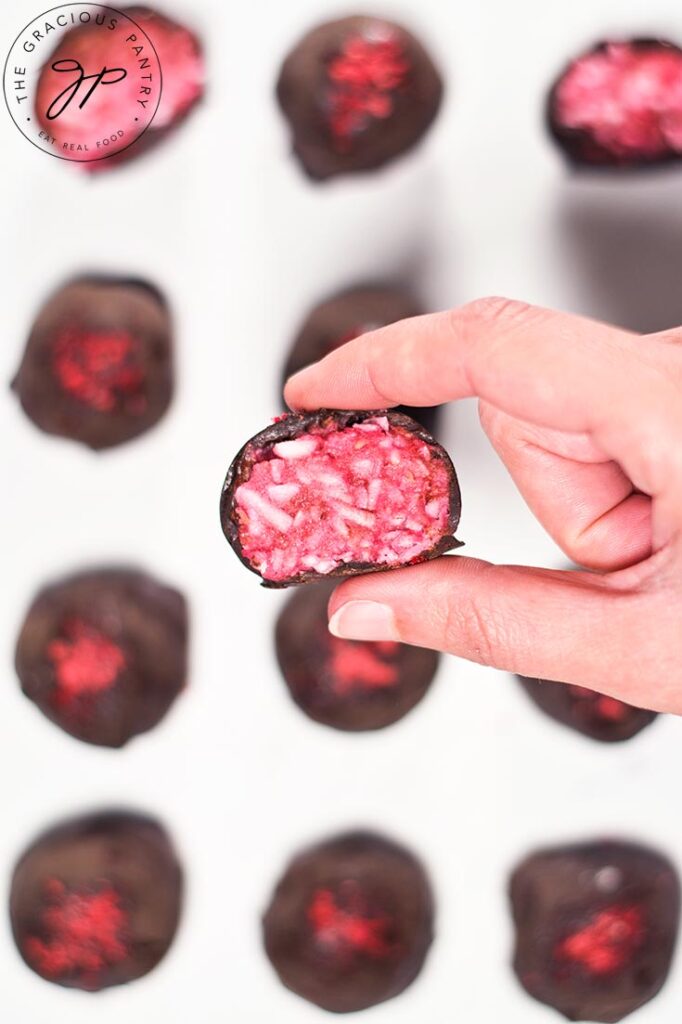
(619, 105)
(337, 493)
(596, 925)
(346, 316)
(95, 901)
(594, 714)
(346, 684)
(350, 922)
(108, 108)
(97, 367)
(357, 93)
(103, 653)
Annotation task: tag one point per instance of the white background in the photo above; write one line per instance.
(223, 220)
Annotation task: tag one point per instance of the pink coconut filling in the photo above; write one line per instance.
(370, 493)
(182, 65)
(629, 98)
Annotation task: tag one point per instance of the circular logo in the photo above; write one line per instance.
(82, 82)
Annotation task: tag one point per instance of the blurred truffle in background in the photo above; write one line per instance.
(593, 714)
(596, 926)
(619, 105)
(346, 684)
(103, 653)
(347, 315)
(95, 901)
(357, 93)
(98, 364)
(181, 60)
(350, 922)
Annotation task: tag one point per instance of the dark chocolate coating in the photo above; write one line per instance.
(302, 92)
(304, 646)
(149, 623)
(100, 305)
(580, 711)
(367, 877)
(353, 312)
(556, 893)
(124, 853)
(580, 149)
(291, 426)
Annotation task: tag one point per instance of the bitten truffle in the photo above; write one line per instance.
(103, 654)
(357, 93)
(346, 316)
(98, 364)
(95, 901)
(182, 67)
(337, 493)
(596, 926)
(594, 714)
(346, 684)
(350, 922)
(620, 105)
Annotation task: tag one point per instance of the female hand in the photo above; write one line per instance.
(588, 420)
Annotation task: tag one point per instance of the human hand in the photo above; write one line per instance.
(588, 420)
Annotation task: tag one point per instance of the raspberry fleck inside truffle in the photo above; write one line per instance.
(95, 901)
(357, 93)
(336, 493)
(620, 105)
(596, 926)
(350, 922)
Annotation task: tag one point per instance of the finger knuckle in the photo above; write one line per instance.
(494, 422)
(475, 631)
(495, 308)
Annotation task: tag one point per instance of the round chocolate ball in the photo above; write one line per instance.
(98, 364)
(350, 922)
(593, 714)
(346, 684)
(596, 925)
(103, 653)
(357, 93)
(95, 901)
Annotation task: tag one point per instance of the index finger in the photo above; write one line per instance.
(546, 367)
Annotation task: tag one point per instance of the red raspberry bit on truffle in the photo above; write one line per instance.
(627, 96)
(85, 661)
(364, 77)
(605, 707)
(343, 924)
(81, 933)
(361, 666)
(100, 369)
(607, 943)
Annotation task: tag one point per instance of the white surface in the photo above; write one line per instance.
(222, 218)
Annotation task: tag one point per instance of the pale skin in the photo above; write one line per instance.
(587, 419)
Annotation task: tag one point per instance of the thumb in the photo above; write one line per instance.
(574, 627)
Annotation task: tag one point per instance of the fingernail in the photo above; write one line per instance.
(364, 620)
